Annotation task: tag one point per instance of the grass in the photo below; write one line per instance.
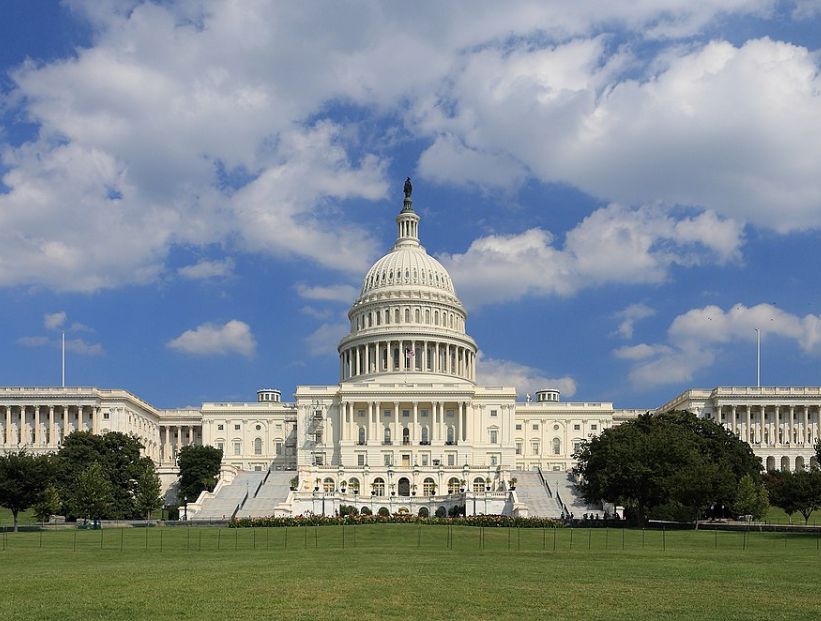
(400, 571)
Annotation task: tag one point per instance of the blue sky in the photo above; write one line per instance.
(193, 190)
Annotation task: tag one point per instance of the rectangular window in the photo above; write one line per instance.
(577, 427)
(424, 413)
(534, 448)
(425, 459)
(493, 413)
(387, 413)
(518, 427)
(319, 459)
(236, 427)
(220, 427)
(360, 459)
(361, 413)
(220, 446)
(518, 448)
(451, 459)
(405, 413)
(237, 448)
(593, 427)
(387, 459)
(105, 415)
(535, 427)
(279, 427)
(279, 448)
(494, 436)
(450, 413)
(494, 460)
(406, 460)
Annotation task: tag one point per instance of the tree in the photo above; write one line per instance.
(91, 496)
(666, 465)
(48, 504)
(199, 470)
(751, 498)
(23, 479)
(120, 457)
(147, 496)
(796, 491)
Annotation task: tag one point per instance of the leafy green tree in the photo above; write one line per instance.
(751, 498)
(199, 470)
(23, 479)
(658, 465)
(48, 504)
(796, 491)
(91, 496)
(122, 463)
(147, 496)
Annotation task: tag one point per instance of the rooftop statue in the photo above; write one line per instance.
(408, 188)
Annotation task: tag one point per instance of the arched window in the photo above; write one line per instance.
(416, 314)
(557, 446)
(361, 434)
(370, 320)
(405, 435)
(353, 482)
(396, 315)
(436, 317)
(378, 486)
(428, 487)
(328, 485)
(478, 485)
(407, 315)
(387, 437)
(425, 435)
(427, 315)
(257, 446)
(453, 485)
(451, 435)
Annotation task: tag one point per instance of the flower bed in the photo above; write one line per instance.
(490, 521)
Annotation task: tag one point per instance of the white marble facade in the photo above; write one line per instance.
(407, 415)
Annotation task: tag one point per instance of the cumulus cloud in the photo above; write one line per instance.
(52, 321)
(323, 340)
(344, 294)
(526, 380)
(207, 269)
(208, 339)
(629, 316)
(695, 338)
(501, 92)
(614, 244)
(75, 345)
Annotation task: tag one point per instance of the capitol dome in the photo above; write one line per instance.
(407, 318)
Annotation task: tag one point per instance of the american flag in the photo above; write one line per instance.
(409, 353)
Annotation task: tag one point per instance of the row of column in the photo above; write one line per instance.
(438, 428)
(46, 425)
(394, 356)
(789, 424)
(173, 438)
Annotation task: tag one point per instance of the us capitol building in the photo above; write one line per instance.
(407, 425)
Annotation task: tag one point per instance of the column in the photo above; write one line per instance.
(733, 427)
(415, 432)
(8, 425)
(777, 410)
(166, 449)
(36, 421)
(805, 436)
(190, 434)
(791, 427)
(463, 423)
(377, 358)
(179, 439)
(95, 419)
(396, 436)
(65, 421)
(21, 426)
(343, 419)
(51, 441)
(747, 424)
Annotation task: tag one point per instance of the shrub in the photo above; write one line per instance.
(456, 511)
(423, 512)
(441, 512)
(383, 511)
(366, 511)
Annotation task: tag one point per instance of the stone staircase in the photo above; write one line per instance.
(531, 491)
(229, 497)
(273, 490)
(563, 486)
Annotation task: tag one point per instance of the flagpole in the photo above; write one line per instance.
(63, 359)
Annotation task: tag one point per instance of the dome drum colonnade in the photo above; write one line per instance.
(407, 318)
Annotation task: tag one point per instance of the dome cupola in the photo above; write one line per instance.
(407, 318)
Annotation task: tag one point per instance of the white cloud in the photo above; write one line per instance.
(728, 129)
(52, 321)
(77, 345)
(614, 244)
(696, 337)
(323, 340)
(231, 92)
(208, 269)
(629, 316)
(234, 337)
(344, 294)
(495, 372)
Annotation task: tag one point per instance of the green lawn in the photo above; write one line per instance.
(403, 572)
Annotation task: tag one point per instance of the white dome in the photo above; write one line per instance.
(407, 266)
